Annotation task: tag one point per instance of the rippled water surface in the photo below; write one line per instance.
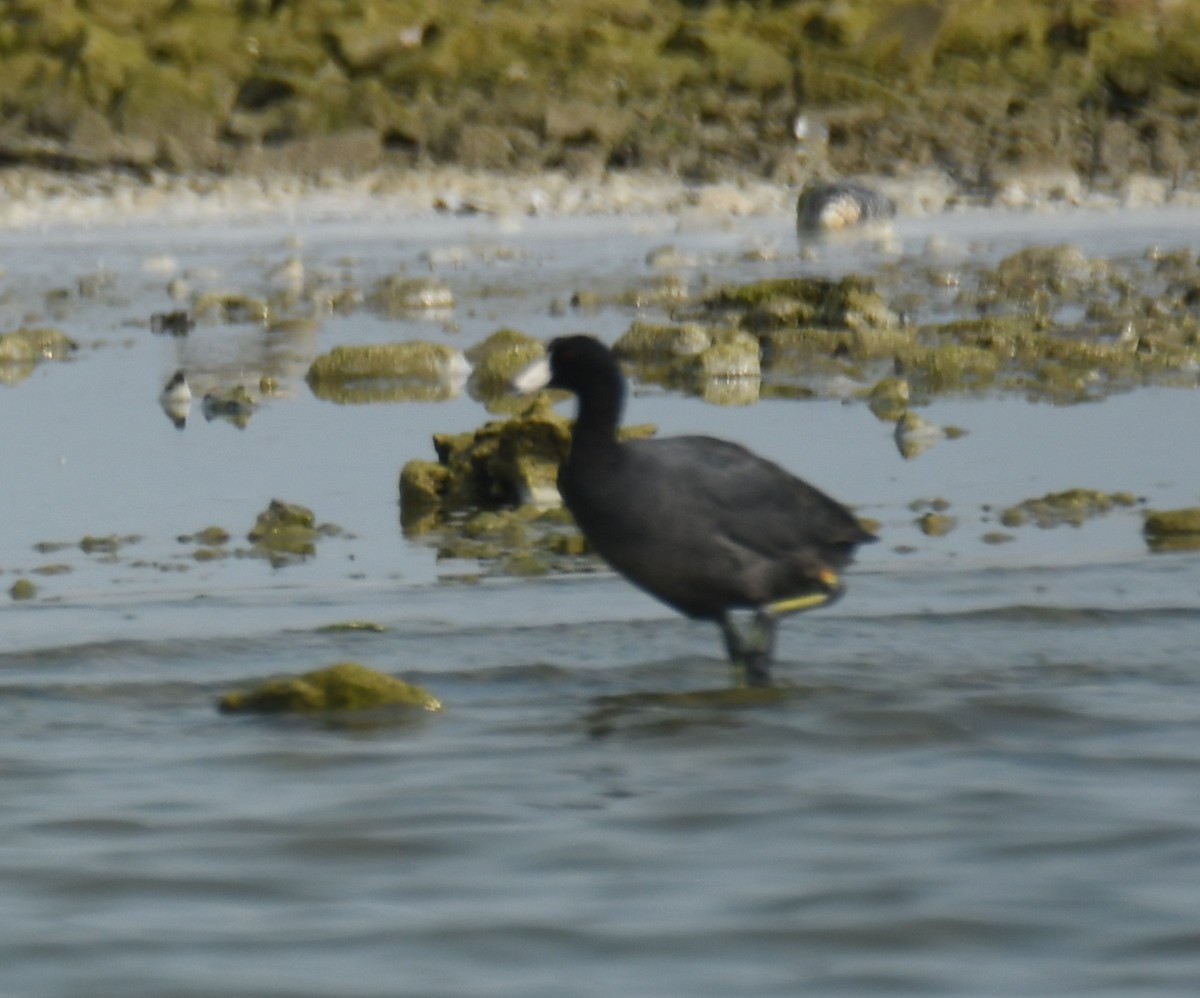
(978, 777)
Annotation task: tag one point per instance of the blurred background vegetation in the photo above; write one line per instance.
(704, 90)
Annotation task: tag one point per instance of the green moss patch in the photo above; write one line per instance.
(1072, 506)
(340, 687)
(1173, 529)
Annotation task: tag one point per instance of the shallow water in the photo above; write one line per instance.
(978, 777)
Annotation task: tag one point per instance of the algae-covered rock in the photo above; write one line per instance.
(1173, 529)
(397, 295)
(33, 344)
(386, 372)
(492, 495)
(210, 537)
(721, 364)
(344, 686)
(1055, 269)
(735, 355)
(649, 342)
(497, 360)
(22, 589)
(1072, 506)
(284, 532)
(936, 524)
(787, 302)
(888, 398)
(506, 462)
(231, 307)
(914, 435)
(108, 544)
(352, 627)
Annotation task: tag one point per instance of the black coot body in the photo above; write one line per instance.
(704, 525)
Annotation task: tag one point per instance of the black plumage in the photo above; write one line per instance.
(703, 524)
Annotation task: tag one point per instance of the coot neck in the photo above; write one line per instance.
(600, 403)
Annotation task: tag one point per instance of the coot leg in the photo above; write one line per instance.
(751, 652)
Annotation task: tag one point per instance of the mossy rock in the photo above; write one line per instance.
(33, 344)
(413, 370)
(788, 302)
(285, 532)
(232, 307)
(936, 524)
(734, 355)
(1173, 529)
(344, 686)
(398, 295)
(22, 589)
(646, 342)
(1072, 506)
(497, 360)
(506, 462)
(888, 399)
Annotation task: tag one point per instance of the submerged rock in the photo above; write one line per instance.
(398, 295)
(1072, 506)
(914, 434)
(791, 302)
(888, 399)
(284, 532)
(648, 342)
(497, 360)
(22, 589)
(1173, 529)
(506, 462)
(21, 349)
(492, 494)
(388, 372)
(721, 364)
(936, 524)
(344, 686)
(232, 308)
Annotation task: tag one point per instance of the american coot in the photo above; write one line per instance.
(703, 524)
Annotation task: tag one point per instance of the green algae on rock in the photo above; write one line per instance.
(648, 342)
(108, 544)
(209, 536)
(936, 524)
(888, 399)
(1072, 506)
(492, 495)
(352, 626)
(397, 296)
(232, 308)
(496, 360)
(22, 589)
(720, 364)
(388, 372)
(344, 686)
(793, 302)
(1173, 529)
(284, 532)
(24, 348)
